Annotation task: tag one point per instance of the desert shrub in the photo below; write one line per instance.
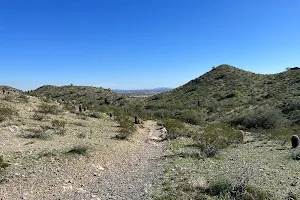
(191, 117)
(96, 115)
(216, 136)
(35, 134)
(223, 188)
(160, 123)
(102, 108)
(175, 128)
(37, 116)
(3, 164)
(59, 126)
(296, 155)
(262, 118)
(78, 149)
(126, 123)
(8, 98)
(69, 107)
(48, 109)
(255, 193)
(207, 150)
(220, 135)
(6, 112)
(59, 123)
(289, 106)
(23, 98)
(220, 187)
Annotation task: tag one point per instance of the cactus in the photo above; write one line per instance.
(295, 141)
(106, 101)
(136, 120)
(80, 108)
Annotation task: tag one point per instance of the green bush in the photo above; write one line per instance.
(223, 188)
(23, 98)
(264, 117)
(296, 155)
(220, 135)
(3, 164)
(216, 136)
(38, 116)
(191, 117)
(220, 187)
(35, 134)
(48, 109)
(8, 98)
(59, 126)
(126, 123)
(175, 128)
(79, 150)
(6, 112)
(59, 123)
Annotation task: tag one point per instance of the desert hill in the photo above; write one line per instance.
(10, 89)
(78, 94)
(227, 91)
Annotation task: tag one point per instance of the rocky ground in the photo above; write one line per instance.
(264, 164)
(41, 168)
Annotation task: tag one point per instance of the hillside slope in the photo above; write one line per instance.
(79, 94)
(10, 90)
(226, 91)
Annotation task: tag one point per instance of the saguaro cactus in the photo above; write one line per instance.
(136, 120)
(295, 141)
(80, 108)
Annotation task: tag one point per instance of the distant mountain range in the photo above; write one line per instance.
(143, 91)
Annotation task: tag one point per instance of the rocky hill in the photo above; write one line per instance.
(78, 94)
(229, 92)
(8, 89)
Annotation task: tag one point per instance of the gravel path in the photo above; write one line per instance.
(121, 170)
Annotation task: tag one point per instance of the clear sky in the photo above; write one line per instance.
(136, 44)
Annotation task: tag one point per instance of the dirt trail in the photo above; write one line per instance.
(121, 170)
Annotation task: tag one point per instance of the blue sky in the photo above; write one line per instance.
(135, 44)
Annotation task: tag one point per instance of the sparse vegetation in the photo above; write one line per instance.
(6, 112)
(126, 122)
(78, 150)
(216, 124)
(47, 108)
(23, 98)
(59, 126)
(296, 155)
(35, 133)
(81, 135)
(37, 116)
(3, 164)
